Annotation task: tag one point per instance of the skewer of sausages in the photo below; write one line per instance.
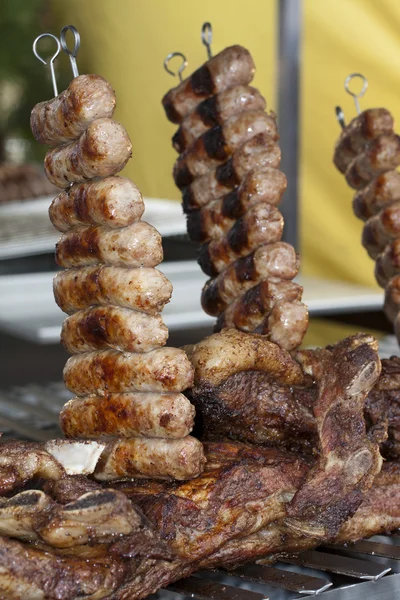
(214, 111)
(109, 371)
(153, 415)
(64, 118)
(142, 289)
(233, 66)
(382, 154)
(382, 191)
(261, 224)
(102, 150)
(102, 327)
(381, 229)
(216, 145)
(138, 245)
(113, 201)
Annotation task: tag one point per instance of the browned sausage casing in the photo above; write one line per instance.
(151, 458)
(388, 263)
(64, 118)
(128, 415)
(362, 129)
(262, 224)
(382, 191)
(102, 150)
(143, 289)
(102, 327)
(271, 260)
(216, 145)
(258, 153)
(218, 216)
(214, 111)
(233, 66)
(381, 229)
(382, 154)
(248, 311)
(286, 325)
(113, 201)
(109, 371)
(138, 245)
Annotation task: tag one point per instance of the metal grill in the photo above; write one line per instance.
(369, 569)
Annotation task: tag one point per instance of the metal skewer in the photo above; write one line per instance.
(206, 37)
(72, 54)
(181, 68)
(52, 59)
(347, 81)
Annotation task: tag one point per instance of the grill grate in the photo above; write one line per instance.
(369, 569)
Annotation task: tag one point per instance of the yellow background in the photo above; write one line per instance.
(127, 40)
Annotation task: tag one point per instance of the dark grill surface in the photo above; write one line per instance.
(367, 570)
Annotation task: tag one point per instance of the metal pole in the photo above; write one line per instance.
(289, 27)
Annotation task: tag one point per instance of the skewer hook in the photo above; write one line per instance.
(52, 59)
(347, 81)
(181, 68)
(206, 37)
(72, 54)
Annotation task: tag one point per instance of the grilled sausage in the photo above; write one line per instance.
(151, 458)
(64, 118)
(362, 129)
(218, 216)
(382, 154)
(215, 111)
(286, 325)
(382, 191)
(216, 145)
(102, 327)
(262, 224)
(388, 263)
(146, 290)
(381, 229)
(392, 298)
(103, 149)
(248, 311)
(128, 415)
(110, 371)
(258, 153)
(138, 245)
(233, 66)
(113, 201)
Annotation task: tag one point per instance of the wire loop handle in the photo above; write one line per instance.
(361, 93)
(52, 59)
(206, 37)
(181, 68)
(72, 54)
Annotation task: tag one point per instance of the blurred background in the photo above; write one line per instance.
(126, 42)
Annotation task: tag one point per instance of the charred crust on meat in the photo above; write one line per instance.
(245, 268)
(195, 226)
(231, 206)
(226, 175)
(178, 140)
(238, 236)
(92, 500)
(183, 177)
(170, 110)
(188, 200)
(215, 143)
(27, 499)
(202, 82)
(208, 111)
(205, 261)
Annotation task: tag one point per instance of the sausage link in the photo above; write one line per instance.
(64, 118)
(381, 229)
(215, 111)
(151, 458)
(258, 153)
(113, 201)
(138, 245)
(277, 260)
(248, 311)
(286, 325)
(142, 289)
(262, 224)
(218, 216)
(392, 298)
(362, 129)
(219, 143)
(382, 191)
(128, 415)
(102, 327)
(103, 149)
(382, 154)
(233, 66)
(388, 263)
(109, 371)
